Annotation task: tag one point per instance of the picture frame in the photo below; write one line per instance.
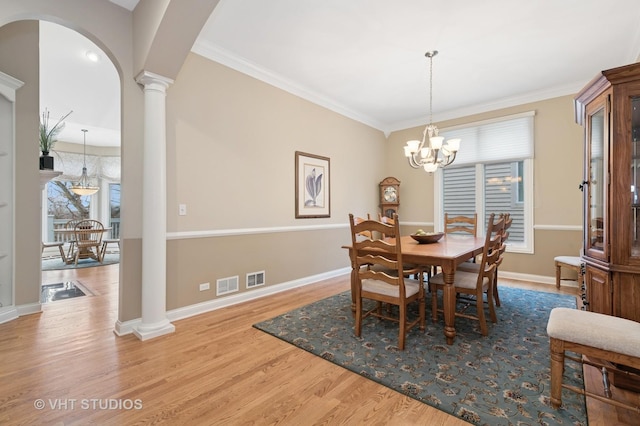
(313, 186)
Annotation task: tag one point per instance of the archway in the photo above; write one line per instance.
(78, 81)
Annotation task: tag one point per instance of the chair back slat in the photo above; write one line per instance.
(493, 249)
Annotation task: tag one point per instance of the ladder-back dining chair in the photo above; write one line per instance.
(389, 221)
(478, 283)
(461, 224)
(357, 220)
(474, 267)
(382, 278)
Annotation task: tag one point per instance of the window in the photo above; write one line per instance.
(114, 209)
(493, 174)
(64, 204)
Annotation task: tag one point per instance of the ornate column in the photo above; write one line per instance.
(154, 209)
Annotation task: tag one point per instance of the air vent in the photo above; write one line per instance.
(226, 285)
(255, 279)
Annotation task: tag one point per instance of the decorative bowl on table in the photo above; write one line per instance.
(427, 237)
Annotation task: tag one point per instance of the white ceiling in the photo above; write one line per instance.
(365, 58)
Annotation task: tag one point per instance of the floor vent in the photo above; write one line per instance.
(226, 285)
(255, 279)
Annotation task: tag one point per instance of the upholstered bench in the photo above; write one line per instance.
(571, 262)
(601, 338)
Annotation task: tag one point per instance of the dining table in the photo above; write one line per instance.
(448, 253)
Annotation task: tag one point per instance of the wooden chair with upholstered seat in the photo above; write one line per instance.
(388, 221)
(374, 259)
(365, 234)
(88, 239)
(467, 225)
(460, 225)
(474, 267)
(477, 283)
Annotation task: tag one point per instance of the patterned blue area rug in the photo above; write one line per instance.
(56, 263)
(501, 379)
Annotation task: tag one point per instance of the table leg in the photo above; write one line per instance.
(449, 305)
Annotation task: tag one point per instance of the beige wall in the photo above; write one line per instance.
(557, 173)
(19, 59)
(231, 141)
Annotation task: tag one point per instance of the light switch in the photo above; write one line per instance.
(182, 209)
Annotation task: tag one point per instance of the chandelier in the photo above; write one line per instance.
(433, 152)
(83, 186)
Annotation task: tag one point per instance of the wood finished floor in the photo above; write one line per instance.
(215, 369)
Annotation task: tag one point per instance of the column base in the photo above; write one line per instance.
(150, 331)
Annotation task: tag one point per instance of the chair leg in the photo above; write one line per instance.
(558, 274)
(434, 303)
(403, 325)
(62, 254)
(557, 370)
(358, 327)
(480, 308)
(496, 296)
(492, 309)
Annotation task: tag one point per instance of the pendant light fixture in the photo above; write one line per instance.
(83, 186)
(431, 152)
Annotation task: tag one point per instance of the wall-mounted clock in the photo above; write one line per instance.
(389, 196)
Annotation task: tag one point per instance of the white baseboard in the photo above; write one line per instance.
(29, 308)
(128, 327)
(8, 313)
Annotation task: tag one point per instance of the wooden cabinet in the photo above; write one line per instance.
(609, 110)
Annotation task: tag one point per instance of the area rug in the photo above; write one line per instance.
(62, 291)
(56, 263)
(501, 379)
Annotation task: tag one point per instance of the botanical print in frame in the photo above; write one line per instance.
(313, 195)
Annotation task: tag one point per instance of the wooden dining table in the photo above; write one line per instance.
(448, 253)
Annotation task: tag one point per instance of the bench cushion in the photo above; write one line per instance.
(568, 260)
(600, 331)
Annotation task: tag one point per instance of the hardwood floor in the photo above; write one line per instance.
(215, 369)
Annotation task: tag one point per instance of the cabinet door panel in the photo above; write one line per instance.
(626, 296)
(598, 286)
(596, 175)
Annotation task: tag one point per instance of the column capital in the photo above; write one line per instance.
(147, 78)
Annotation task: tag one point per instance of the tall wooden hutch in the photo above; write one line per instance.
(609, 110)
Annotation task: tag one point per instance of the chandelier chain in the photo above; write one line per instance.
(430, 89)
(431, 152)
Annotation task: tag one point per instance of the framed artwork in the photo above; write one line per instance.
(313, 187)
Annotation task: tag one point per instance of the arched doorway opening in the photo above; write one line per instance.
(78, 77)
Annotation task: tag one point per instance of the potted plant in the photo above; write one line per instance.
(48, 138)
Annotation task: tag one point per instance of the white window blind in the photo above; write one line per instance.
(506, 139)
